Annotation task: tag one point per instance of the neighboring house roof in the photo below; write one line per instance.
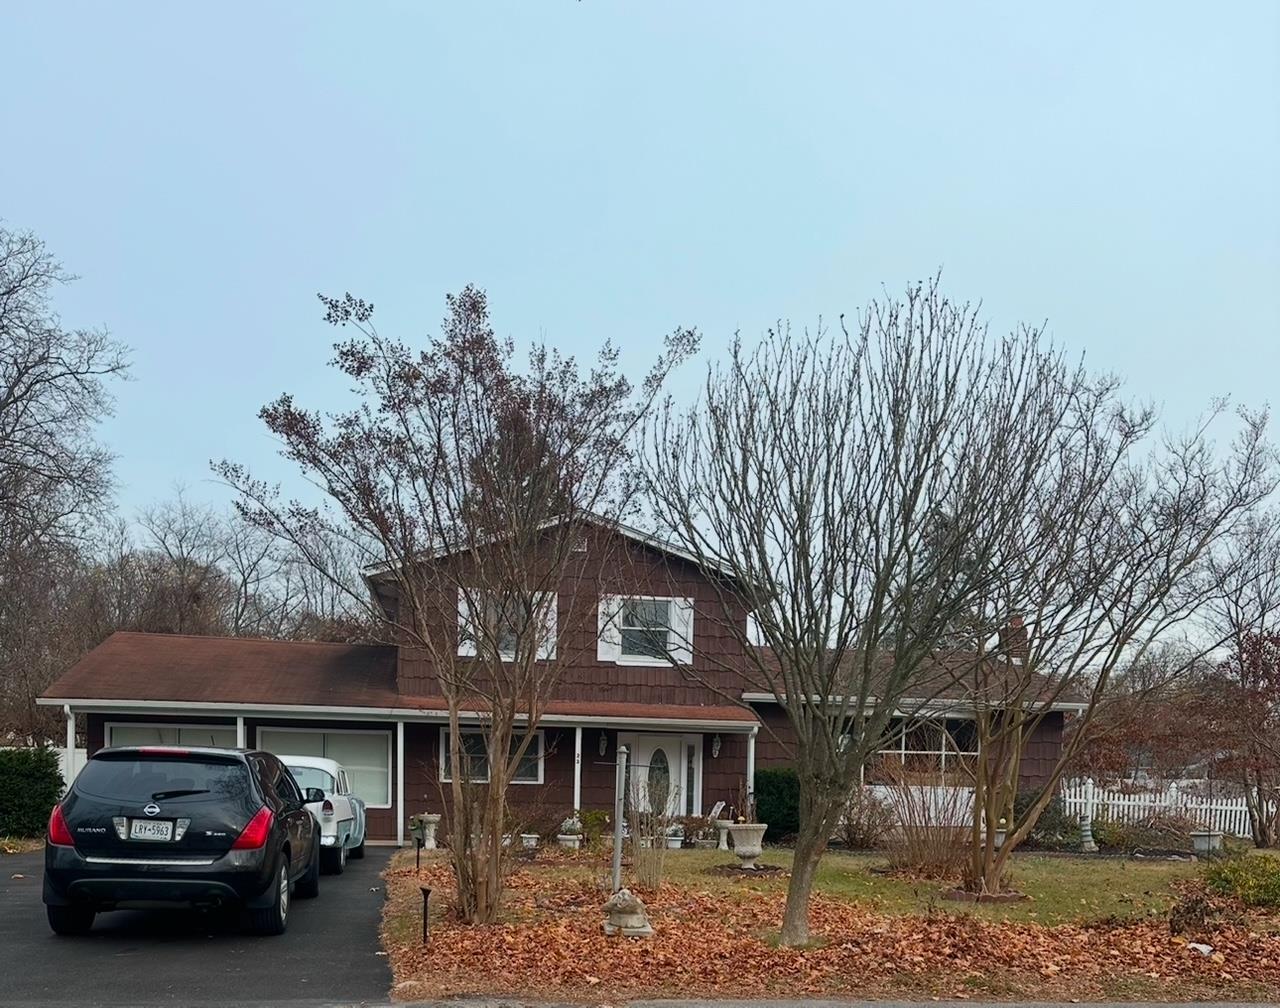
(212, 673)
(947, 683)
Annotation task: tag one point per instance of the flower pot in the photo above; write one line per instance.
(569, 840)
(1206, 841)
(1000, 835)
(675, 842)
(748, 842)
(529, 840)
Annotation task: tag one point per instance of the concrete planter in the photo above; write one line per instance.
(529, 840)
(1206, 841)
(570, 840)
(722, 825)
(748, 842)
(675, 842)
(706, 843)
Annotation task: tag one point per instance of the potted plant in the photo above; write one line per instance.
(1206, 840)
(675, 836)
(748, 835)
(529, 840)
(570, 834)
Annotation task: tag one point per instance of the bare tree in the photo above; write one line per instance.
(1115, 540)
(467, 485)
(866, 494)
(53, 393)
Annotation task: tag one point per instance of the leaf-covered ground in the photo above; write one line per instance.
(713, 938)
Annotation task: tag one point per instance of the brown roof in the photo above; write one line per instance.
(239, 670)
(142, 666)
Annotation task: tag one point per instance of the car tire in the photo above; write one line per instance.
(308, 886)
(334, 860)
(273, 919)
(356, 853)
(70, 920)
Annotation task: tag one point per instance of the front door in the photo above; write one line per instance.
(663, 773)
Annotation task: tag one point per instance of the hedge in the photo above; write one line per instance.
(30, 785)
(778, 802)
(1253, 879)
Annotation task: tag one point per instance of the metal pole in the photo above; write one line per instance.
(619, 786)
(426, 914)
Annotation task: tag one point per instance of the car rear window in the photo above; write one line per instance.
(312, 777)
(145, 777)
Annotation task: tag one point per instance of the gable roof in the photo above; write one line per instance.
(646, 539)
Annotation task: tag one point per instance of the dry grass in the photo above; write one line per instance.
(20, 845)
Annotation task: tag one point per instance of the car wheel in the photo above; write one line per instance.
(308, 886)
(333, 860)
(68, 920)
(272, 920)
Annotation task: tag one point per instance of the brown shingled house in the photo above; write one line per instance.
(378, 710)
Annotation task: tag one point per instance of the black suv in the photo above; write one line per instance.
(159, 826)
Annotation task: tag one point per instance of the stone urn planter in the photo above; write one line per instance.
(1000, 834)
(529, 840)
(748, 842)
(423, 828)
(1206, 841)
(571, 841)
(722, 825)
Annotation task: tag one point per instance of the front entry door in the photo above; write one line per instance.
(662, 771)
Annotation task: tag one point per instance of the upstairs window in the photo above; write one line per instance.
(484, 619)
(645, 630)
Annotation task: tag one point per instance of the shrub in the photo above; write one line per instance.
(1056, 829)
(866, 821)
(1255, 880)
(30, 785)
(933, 816)
(594, 823)
(1160, 831)
(778, 802)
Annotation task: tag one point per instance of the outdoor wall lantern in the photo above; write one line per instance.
(715, 746)
(604, 743)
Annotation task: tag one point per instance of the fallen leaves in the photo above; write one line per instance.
(709, 943)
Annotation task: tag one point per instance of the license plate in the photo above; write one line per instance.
(150, 829)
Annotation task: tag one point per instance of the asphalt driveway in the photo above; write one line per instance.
(328, 955)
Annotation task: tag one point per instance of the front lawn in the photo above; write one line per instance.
(1091, 928)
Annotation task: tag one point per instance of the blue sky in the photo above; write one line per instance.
(612, 170)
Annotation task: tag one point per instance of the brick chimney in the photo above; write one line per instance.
(1015, 642)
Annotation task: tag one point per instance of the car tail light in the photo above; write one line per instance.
(59, 835)
(326, 809)
(255, 834)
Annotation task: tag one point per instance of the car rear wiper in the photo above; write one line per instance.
(181, 792)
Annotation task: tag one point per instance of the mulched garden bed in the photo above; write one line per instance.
(737, 871)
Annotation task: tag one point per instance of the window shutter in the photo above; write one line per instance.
(609, 639)
(466, 634)
(682, 631)
(547, 610)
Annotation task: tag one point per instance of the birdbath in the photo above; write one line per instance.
(748, 843)
(723, 826)
(428, 823)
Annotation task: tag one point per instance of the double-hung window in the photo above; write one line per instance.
(475, 754)
(489, 623)
(645, 630)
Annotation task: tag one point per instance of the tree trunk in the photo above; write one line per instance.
(811, 843)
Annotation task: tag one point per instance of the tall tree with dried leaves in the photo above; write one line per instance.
(465, 480)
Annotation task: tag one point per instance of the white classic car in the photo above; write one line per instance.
(341, 815)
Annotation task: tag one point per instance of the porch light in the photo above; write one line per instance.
(715, 746)
(604, 743)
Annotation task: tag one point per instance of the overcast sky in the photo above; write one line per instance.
(613, 170)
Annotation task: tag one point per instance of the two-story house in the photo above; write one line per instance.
(653, 673)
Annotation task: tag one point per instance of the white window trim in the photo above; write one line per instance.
(385, 735)
(109, 725)
(467, 645)
(444, 752)
(674, 641)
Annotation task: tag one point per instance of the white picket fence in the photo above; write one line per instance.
(1083, 797)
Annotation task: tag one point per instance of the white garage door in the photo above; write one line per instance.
(366, 756)
(192, 735)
